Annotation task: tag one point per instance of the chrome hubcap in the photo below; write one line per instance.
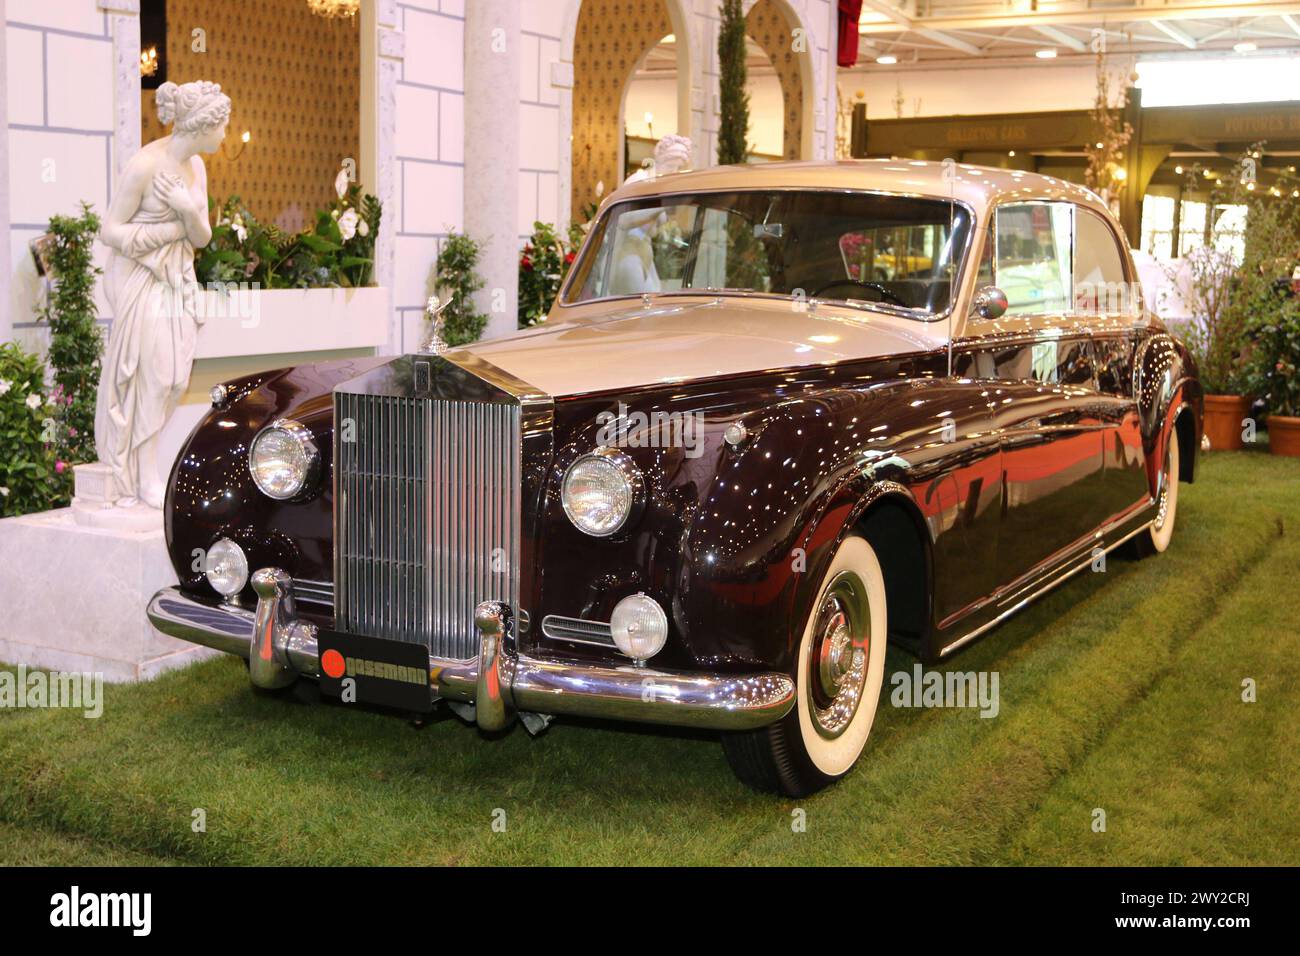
(838, 658)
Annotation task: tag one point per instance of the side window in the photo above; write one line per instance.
(1100, 286)
(1033, 261)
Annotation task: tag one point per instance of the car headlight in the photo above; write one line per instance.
(639, 627)
(284, 459)
(226, 567)
(601, 491)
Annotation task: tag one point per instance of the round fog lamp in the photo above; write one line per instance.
(226, 568)
(639, 627)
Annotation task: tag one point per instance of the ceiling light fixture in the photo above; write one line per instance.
(1245, 46)
(1047, 54)
(334, 9)
(887, 60)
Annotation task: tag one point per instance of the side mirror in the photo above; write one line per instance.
(990, 302)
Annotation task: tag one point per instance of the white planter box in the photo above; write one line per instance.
(266, 322)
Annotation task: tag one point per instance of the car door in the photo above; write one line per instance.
(1107, 288)
(1045, 406)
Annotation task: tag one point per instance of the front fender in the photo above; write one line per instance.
(782, 503)
(211, 493)
(1166, 384)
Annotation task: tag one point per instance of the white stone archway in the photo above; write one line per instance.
(691, 97)
(816, 19)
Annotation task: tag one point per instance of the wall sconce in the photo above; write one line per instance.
(650, 123)
(245, 138)
(149, 62)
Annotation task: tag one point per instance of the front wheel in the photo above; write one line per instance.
(839, 671)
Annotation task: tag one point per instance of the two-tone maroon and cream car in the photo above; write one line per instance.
(778, 416)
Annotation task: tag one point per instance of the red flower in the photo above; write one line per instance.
(568, 258)
(527, 263)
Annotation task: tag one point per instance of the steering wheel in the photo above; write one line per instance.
(884, 293)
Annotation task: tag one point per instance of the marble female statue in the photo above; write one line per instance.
(158, 217)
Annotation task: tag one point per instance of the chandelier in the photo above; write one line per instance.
(334, 9)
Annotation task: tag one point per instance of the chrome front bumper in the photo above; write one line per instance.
(500, 682)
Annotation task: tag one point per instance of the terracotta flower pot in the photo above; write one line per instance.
(1284, 435)
(1223, 418)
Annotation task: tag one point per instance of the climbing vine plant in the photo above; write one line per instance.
(75, 341)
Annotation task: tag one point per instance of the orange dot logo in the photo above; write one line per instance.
(331, 662)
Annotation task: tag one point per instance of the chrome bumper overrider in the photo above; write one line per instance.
(499, 682)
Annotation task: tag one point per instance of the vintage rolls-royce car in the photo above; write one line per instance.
(778, 416)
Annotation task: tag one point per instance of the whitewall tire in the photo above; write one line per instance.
(1162, 525)
(839, 671)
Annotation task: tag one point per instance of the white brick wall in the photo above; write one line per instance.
(59, 83)
(430, 138)
(539, 114)
(430, 151)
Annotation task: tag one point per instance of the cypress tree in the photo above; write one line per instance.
(733, 124)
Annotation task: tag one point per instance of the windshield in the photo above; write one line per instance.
(858, 248)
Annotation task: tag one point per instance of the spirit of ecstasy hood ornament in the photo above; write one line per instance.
(433, 309)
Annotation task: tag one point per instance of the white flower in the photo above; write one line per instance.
(363, 228)
(348, 224)
(34, 400)
(5, 385)
(600, 188)
(4, 492)
(341, 182)
(240, 230)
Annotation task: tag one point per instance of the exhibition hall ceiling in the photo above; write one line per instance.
(931, 32)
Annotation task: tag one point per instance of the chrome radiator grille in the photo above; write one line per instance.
(427, 519)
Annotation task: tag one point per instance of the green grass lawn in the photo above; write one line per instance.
(1120, 691)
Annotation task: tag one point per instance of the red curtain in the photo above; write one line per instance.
(850, 10)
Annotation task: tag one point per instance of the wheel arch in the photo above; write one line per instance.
(896, 531)
(1185, 432)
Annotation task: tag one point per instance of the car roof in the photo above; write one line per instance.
(977, 186)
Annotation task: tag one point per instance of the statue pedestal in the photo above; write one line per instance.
(73, 596)
(94, 502)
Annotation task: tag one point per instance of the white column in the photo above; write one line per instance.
(492, 154)
(383, 47)
(124, 27)
(6, 266)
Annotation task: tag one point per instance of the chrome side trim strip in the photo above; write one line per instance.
(1061, 579)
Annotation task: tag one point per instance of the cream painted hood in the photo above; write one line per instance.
(679, 341)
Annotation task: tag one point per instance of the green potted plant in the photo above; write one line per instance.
(1274, 370)
(544, 262)
(457, 278)
(1215, 336)
(1233, 295)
